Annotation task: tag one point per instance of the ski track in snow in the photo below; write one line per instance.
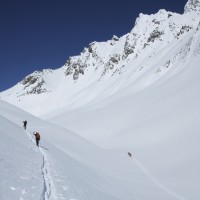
(155, 181)
(48, 189)
(48, 184)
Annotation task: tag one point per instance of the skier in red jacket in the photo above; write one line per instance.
(37, 138)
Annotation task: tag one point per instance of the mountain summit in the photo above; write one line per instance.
(193, 6)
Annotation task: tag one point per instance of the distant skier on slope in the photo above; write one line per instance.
(25, 124)
(129, 154)
(37, 138)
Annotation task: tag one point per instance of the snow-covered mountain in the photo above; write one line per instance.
(158, 45)
(139, 93)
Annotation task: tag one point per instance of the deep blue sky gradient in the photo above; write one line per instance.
(39, 34)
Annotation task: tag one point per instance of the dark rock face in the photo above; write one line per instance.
(156, 34)
(34, 83)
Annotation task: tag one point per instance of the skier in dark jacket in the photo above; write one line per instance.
(129, 154)
(37, 138)
(25, 123)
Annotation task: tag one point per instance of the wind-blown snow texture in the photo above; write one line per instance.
(138, 93)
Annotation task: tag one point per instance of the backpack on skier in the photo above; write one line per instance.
(37, 136)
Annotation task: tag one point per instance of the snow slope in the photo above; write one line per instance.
(159, 124)
(164, 165)
(66, 166)
(57, 170)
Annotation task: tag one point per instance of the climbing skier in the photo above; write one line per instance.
(129, 154)
(25, 123)
(37, 138)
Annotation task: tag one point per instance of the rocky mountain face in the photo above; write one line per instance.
(193, 6)
(148, 31)
(157, 43)
(35, 82)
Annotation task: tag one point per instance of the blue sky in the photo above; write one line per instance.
(39, 34)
